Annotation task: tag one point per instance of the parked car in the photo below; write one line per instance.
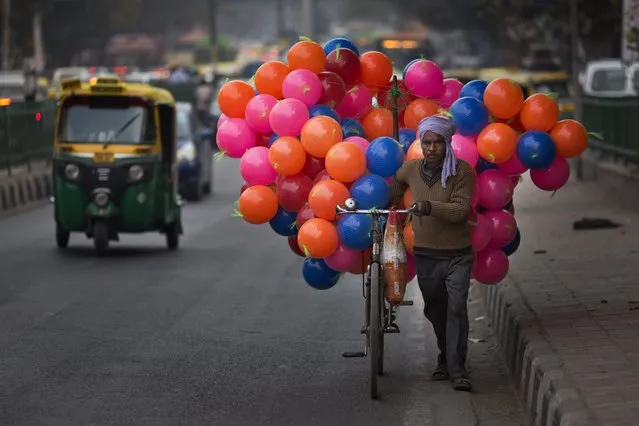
(194, 154)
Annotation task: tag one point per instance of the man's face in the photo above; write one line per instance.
(433, 148)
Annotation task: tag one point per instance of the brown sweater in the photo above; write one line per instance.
(445, 231)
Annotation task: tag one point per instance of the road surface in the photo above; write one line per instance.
(222, 332)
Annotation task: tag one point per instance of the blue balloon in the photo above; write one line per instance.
(384, 156)
(512, 246)
(474, 89)
(356, 231)
(536, 150)
(318, 275)
(272, 139)
(470, 116)
(320, 109)
(406, 138)
(340, 43)
(371, 191)
(351, 127)
(407, 67)
(284, 223)
(483, 165)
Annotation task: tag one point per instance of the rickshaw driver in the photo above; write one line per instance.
(441, 186)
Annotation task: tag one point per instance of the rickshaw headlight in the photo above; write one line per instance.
(71, 171)
(136, 173)
(186, 152)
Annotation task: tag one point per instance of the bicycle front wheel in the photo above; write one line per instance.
(375, 328)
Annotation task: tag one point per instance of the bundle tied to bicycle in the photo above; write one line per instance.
(318, 130)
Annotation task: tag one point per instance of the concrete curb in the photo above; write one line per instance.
(25, 190)
(549, 396)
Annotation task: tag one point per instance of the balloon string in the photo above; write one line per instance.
(292, 226)
(596, 135)
(219, 155)
(236, 213)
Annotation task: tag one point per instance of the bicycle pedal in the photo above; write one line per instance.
(406, 303)
(392, 329)
(354, 354)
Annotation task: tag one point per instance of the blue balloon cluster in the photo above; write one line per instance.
(384, 156)
(318, 275)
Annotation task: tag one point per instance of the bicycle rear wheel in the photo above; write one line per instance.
(375, 328)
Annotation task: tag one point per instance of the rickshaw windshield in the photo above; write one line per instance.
(106, 119)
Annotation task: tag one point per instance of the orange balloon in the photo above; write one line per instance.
(409, 238)
(503, 98)
(497, 143)
(362, 262)
(407, 199)
(269, 78)
(417, 110)
(375, 70)
(287, 156)
(570, 137)
(233, 97)
(306, 55)
(539, 112)
(319, 134)
(258, 204)
(415, 151)
(345, 162)
(377, 123)
(317, 238)
(325, 196)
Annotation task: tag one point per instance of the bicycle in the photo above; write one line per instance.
(379, 314)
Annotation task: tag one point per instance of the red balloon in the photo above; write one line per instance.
(323, 175)
(245, 186)
(263, 140)
(313, 166)
(333, 89)
(292, 192)
(292, 243)
(344, 63)
(385, 98)
(305, 213)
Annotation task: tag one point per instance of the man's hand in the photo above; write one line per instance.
(423, 208)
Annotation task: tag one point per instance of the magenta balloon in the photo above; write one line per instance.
(482, 233)
(491, 266)
(255, 167)
(504, 227)
(221, 120)
(425, 79)
(343, 258)
(288, 117)
(258, 111)
(465, 149)
(474, 196)
(513, 167)
(359, 141)
(303, 85)
(235, 137)
(552, 177)
(452, 88)
(356, 103)
(495, 189)
(411, 271)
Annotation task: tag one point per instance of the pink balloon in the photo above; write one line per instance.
(343, 258)
(411, 271)
(356, 103)
(452, 87)
(425, 79)
(474, 196)
(495, 189)
(491, 266)
(221, 120)
(465, 149)
(513, 167)
(481, 233)
(256, 168)
(504, 227)
(552, 177)
(235, 137)
(303, 85)
(258, 111)
(359, 141)
(288, 117)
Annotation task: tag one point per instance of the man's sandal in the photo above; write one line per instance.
(440, 373)
(462, 384)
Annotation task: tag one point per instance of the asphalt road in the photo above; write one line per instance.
(222, 332)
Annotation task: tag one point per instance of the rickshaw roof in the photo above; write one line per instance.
(142, 90)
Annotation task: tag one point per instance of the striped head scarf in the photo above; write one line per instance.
(445, 128)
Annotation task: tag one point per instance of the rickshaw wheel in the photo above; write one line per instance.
(101, 237)
(61, 236)
(173, 235)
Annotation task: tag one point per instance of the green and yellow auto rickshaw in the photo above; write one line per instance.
(114, 162)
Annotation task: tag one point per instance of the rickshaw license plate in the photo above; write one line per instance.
(103, 157)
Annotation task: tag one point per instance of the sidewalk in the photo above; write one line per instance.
(567, 315)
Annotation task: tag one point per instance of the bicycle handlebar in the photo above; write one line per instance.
(342, 210)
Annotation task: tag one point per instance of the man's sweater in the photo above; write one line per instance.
(445, 231)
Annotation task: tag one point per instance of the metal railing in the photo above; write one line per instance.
(26, 135)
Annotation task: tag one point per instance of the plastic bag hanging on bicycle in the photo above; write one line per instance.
(394, 260)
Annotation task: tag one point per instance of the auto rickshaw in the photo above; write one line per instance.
(114, 160)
